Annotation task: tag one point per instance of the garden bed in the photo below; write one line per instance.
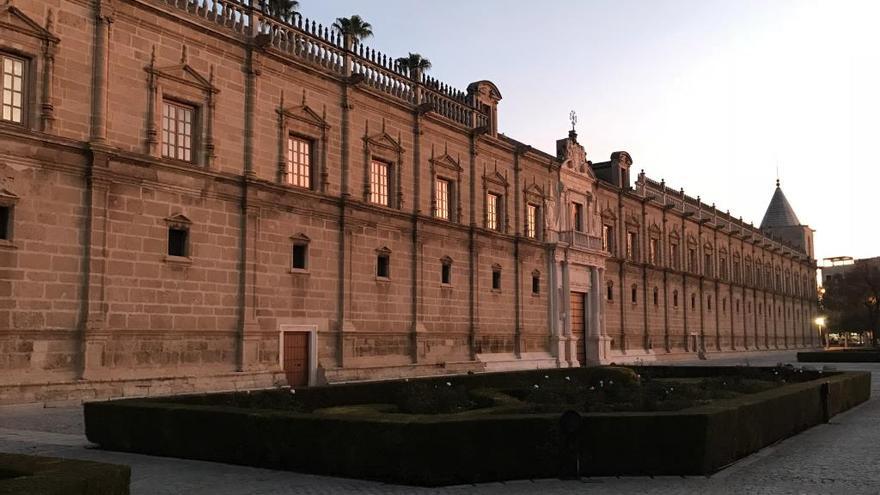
(33, 475)
(488, 427)
(860, 355)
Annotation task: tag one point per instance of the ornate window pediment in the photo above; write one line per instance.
(7, 197)
(300, 237)
(608, 214)
(384, 141)
(447, 162)
(179, 219)
(14, 19)
(303, 113)
(535, 191)
(495, 177)
(654, 230)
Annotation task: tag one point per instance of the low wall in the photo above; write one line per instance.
(32, 475)
(840, 356)
(436, 450)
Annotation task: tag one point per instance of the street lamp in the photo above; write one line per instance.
(820, 322)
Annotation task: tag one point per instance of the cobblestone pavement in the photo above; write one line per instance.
(840, 458)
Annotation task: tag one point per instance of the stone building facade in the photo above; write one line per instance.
(186, 184)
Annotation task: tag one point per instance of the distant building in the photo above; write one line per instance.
(839, 266)
(194, 195)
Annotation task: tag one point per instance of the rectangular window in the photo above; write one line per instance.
(674, 257)
(633, 296)
(383, 266)
(531, 221)
(707, 265)
(299, 162)
(446, 274)
(441, 191)
(577, 217)
(177, 242)
(493, 218)
(496, 279)
(5, 228)
(609, 292)
(12, 86)
(632, 245)
(536, 284)
(654, 251)
(722, 267)
(300, 257)
(692, 260)
(607, 238)
(178, 122)
(379, 180)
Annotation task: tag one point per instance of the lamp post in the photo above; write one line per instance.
(820, 322)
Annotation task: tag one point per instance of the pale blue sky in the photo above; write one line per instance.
(710, 95)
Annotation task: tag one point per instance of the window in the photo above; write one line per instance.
(692, 260)
(577, 217)
(177, 238)
(709, 303)
(531, 221)
(693, 301)
(383, 265)
(496, 278)
(634, 292)
(707, 265)
(300, 256)
(607, 238)
(379, 180)
(632, 245)
(536, 283)
(656, 296)
(299, 162)
(674, 256)
(441, 198)
(12, 86)
(610, 291)
(675, 298)
(446, 272)
(724, 305)
(5, 223)
(493, 218)
(654, 251)
(178, 122)
(722, 267)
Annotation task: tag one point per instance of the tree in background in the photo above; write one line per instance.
(282, 9)
(414, 64)
(353, 26)
(853, 300)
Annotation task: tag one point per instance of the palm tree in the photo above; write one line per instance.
(414, 63)
(282, 9)
(353, 26)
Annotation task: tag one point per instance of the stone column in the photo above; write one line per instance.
(103, 19)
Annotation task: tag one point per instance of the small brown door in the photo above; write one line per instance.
(577, 324)
(296, 358)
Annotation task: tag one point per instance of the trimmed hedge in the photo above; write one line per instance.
(434, 450)
(840, 356)
(33, 475)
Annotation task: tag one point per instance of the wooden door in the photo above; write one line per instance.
(577, 325)
(296, 358)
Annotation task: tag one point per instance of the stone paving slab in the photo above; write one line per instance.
(839, 458)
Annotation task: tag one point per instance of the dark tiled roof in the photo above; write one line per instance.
(779, 213)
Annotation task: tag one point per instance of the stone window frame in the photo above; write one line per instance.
(708, 260)
(609, 225)
(674, 258)
(709, 302)
(675, 299)
(179, 221)
(182, 84)
(656, 296)
(36, 46)
(723, 264)
(534, 196)
(655, 253)
(446, 264)
(632, 250)
(384, 148)
(496, 276)
(447, 168)
(497, 184)
(303, 122)
(380, 253)
(609, 291)
(693, 263)
(634, 294)
(9, 200)
(536, 283)
(300, 239)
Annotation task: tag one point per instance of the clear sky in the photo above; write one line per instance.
(711, 95)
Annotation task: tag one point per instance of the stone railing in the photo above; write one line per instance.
(322, 47)
(581, 240)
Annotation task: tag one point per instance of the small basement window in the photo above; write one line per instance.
(177, 238)
(300, 257)
(383, 266)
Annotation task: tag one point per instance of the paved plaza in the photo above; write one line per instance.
(839, 458)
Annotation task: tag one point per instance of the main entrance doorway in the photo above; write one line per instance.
(296, 358)
(578, 328)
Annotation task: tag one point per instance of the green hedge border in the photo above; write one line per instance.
(444, 450)
(841, 356)
(35, 475)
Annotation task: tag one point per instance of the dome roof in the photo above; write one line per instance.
(779, 213)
